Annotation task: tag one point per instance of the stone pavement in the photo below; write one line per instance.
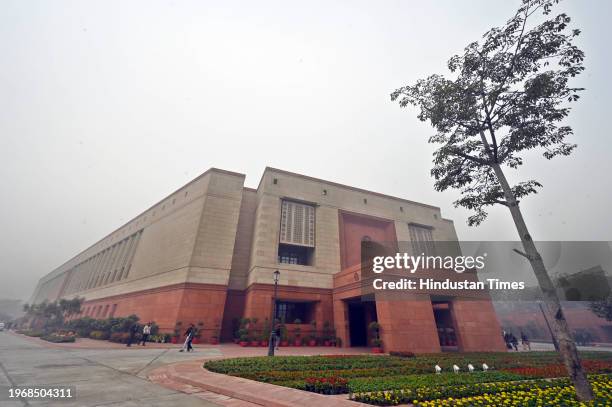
(192, 378)
(109, 377)
(238, 390)
(179, 374)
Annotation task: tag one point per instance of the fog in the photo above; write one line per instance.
(108, 106)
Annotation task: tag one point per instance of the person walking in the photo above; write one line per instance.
(507, 340)
(525, 341)
(189, 333)
(133, 332)
(514, 342)
(146, 331)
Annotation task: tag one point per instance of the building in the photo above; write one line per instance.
(207, 253)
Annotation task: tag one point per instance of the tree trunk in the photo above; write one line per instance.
(567, 347)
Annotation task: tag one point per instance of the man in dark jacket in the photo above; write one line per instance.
(189, 334)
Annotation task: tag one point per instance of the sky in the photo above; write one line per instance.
(107, 106)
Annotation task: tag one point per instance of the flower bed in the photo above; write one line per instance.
(523, 393)
(326, 385)
(404, 377)
(558, 370)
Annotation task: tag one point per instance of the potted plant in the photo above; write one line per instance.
(244, 337)
(326, 333)
(298, 332)
(255, 338)
(377, 346)
(312, 338)
(283, 335)
(265, 334)
(338, 342)
(374, 328)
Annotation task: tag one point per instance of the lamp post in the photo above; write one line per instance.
(273, 330)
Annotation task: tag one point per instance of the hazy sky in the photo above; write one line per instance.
(108, 106)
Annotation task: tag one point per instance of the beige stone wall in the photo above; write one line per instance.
(212, 254)
(328, 198)
(214, 231)
(244, 239)
(164, 253)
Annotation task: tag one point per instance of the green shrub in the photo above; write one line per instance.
(32, 332)
(82, 326)
(100, 335)
(58, 338)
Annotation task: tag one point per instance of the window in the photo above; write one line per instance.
(288, 312)
(422, 240)
(112, 314)
(297, 224)
(297, 233)
(290, 254)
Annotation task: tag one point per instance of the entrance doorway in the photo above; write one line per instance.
(360, 315)
(444, 324)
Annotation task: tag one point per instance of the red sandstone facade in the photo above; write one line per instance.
(206, 255)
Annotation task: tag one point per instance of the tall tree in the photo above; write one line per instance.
(507, 93)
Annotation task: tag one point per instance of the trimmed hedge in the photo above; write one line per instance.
(58, 338)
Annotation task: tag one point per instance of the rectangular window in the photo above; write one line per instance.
(297, 233)
(422, 240)
(288, 312)
(289, 254)
(297, 224)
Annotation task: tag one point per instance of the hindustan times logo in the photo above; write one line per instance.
(410, 263)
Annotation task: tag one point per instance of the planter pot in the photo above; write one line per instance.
(284, 343)
(196, 340)
(214, 341)
(174, 339)
(377, 350)
(326, 343)
(243, 344)
(297, 343)
(254, 343)
(263, 344)
(312, 343)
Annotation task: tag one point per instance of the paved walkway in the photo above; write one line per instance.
(191, 377)
(109, 377)
(178, 373)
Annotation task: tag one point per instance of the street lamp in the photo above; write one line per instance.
(273, 334)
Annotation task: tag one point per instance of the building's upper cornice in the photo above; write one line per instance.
(344, 186)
